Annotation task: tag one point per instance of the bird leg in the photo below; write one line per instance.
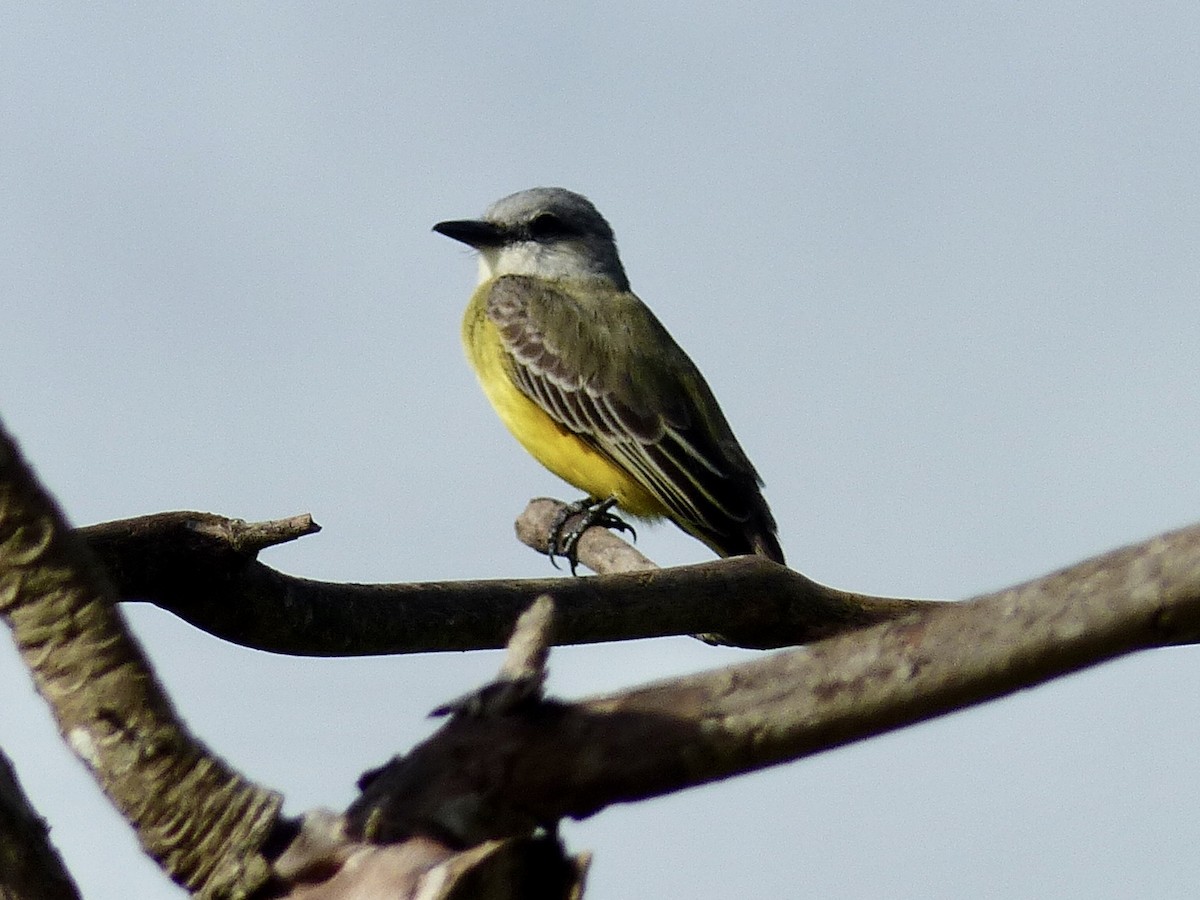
(564, 541)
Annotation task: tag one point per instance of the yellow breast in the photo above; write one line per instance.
(557, 448)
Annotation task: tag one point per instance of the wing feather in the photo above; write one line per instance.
(642, 405)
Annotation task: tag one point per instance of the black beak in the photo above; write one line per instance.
(472, 232)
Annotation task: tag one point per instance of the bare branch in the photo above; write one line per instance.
(498, 771)
(523, 673)
(189, 564)
(325, 862)
(198, 818)
(574, 759)
(529, 647)
(421, 868)
(30, 867)
(602, 551)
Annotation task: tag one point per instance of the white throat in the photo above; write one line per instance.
(562, 260)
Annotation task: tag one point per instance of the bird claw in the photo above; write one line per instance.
(564, 541)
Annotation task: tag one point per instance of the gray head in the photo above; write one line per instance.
(543, 232)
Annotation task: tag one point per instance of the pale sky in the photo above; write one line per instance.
(938, 263)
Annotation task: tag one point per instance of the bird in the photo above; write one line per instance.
(592, 385)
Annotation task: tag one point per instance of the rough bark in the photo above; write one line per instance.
(197, 817)
(485, 777)
(483, 793)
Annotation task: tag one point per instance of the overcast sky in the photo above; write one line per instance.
(938, 263)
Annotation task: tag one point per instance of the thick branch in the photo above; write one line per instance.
(185, 562)
(575, 759)
(324, 862)
(199, 819)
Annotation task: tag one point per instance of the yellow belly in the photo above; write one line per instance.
(557, 448)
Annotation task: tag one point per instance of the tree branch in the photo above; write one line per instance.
(199, 819)
(556, 759)
(324, 862)
(30, 867)
(503, 769)
(193, 565)
(602, 551)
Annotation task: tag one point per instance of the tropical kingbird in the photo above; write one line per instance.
(589, 381)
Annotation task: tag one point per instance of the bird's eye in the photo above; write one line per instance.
(545, 226)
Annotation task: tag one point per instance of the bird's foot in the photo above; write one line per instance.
(564, 541)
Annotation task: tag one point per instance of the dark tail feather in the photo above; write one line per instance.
(760, 532)
(755, 536)
(766, 543)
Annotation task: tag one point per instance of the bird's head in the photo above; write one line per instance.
(544, 233)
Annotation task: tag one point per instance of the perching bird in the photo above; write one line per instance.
(592, 385)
